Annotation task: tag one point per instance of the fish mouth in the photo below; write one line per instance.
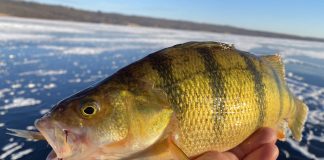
(59, 139)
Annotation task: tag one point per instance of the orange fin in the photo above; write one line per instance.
(281, 135)
(282, 130)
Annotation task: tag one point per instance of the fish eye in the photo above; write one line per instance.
(89, 109)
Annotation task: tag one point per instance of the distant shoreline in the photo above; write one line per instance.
(3, 14)
(56, 12)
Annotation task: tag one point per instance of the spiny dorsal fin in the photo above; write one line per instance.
(276, 62)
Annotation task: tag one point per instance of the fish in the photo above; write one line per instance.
(176, 103)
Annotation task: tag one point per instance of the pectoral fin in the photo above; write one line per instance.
(26, 134)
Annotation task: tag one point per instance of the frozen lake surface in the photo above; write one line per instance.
(42, 62)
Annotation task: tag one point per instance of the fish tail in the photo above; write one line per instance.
(297, 119)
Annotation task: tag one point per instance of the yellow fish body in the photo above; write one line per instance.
(176, 103)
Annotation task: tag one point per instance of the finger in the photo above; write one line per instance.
(217, 156)
(260, 137)
(265, 152)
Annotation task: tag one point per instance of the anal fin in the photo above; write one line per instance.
(282, 130)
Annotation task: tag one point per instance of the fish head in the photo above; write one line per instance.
(78, 125)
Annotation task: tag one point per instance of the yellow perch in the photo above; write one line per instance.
(175, 104)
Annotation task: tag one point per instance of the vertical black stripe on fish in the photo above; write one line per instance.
(163, 65)
(258, 86)
(279, 87)
(216, 83)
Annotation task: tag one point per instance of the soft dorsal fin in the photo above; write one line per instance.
(276, 62)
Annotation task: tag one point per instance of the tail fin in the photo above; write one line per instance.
(297, 120)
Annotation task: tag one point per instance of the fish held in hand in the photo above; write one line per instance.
(176, 103)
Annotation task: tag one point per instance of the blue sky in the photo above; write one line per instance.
(299, 17)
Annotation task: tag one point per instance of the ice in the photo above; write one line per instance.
(2, 64)
(44, 111)
(296, 61)
(9, 146)
(21, 102)
(8, 24)
(31, 85)
(10, 151)
(144, 36)
(77, 80)
(21, 154)
(302, 149)
(27, 61)
(84, 50)
(15, 86)
(22, 37)
(30, 128)
(3, 91)
(93, 50)
(43, 72)
(51, 47)
(49, 86)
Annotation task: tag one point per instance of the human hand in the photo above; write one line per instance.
(260, 145)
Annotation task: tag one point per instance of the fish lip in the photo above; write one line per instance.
(50, 131)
